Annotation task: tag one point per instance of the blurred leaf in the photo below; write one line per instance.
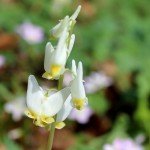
(11, 145)
(98, 102)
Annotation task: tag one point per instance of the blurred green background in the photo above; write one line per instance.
(112, 41)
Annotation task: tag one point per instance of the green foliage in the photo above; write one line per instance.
(98, 102)
(10, 145)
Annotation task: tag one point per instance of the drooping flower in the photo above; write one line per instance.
(79, 99)
(16, 108)
(42, 107)
(30, 33)
(63, 113)
(68, 22)
(55, 59)
(81, 116)
(123, 144)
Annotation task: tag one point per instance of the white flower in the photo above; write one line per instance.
(16, 108)
(79, 99)
(66, 22)
(55, 59)
(63, 113)
(42, 106)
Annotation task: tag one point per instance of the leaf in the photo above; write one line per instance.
(11, 145)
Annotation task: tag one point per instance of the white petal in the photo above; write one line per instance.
(80, 71)
(58, 29)
(34, 95)
(77, 89)
(74, 16)
(71, 44)
(65, 110)
(74, 69)
(60, 59)
(62, 40)
(65, 93)
(54, 103)
(60, 55)
(48, 53)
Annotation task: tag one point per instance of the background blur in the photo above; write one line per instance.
(112, 41)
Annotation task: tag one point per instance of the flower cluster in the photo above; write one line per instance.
(46, 107)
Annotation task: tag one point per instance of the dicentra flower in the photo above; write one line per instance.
(30, 33)
(68, 22)
(42, 107)
(79, 99)
(55, 59)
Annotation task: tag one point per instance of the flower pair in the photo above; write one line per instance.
(43, 106)
(55, 58)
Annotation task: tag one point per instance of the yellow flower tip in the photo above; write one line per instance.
(79, 104)
(38, 122)
(47, 120)
(29, 114)
(47, 75)
(59, 125)
(55, 70)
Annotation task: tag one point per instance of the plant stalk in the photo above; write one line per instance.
(52, 126)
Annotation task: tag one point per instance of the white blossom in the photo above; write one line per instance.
(79, 99)
(42, 107)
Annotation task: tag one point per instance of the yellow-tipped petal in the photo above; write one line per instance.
(47, 75)
(47, 120)
(29, 114)
(55, 70)
(59, 125)
(38, 122)
(78, 103)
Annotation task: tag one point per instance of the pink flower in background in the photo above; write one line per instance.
(81, 116)
(30, 33)
(2, 61)
(16, 108)
(123, 144)
(96, 81)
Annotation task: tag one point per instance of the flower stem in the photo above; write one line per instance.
(52, 126)
(60, 82)
(51, 136)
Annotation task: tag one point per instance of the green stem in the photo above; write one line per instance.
(51, 137)
(60, 82)
(52, 128)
